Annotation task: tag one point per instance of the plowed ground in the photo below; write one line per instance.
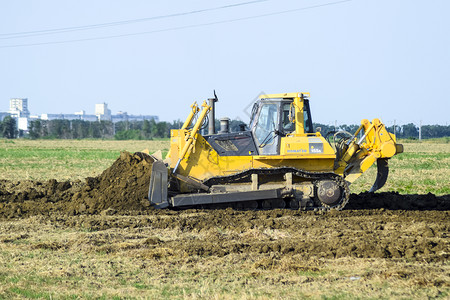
(101, 236)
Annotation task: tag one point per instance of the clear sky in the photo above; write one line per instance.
(359, 59)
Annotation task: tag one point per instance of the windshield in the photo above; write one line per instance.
(265, 128)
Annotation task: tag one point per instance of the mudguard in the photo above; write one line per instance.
(157, 192)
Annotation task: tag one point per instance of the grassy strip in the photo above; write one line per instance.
(422, 168)
(65, 159)
(443, 140)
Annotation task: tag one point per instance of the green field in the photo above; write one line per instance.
(423, 168)
(64, 159)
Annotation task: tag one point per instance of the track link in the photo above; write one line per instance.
(313, 177)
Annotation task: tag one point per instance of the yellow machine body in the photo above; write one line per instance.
(204, 162)
(305, 151)
(300, 156)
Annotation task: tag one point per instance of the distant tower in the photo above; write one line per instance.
(102, 112)
(18, 107)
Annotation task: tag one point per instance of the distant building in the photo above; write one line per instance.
(18, 107)
(85, 117)
(121, 116)
(124, 116)
(142, 118)
(75, 116)
(102, 112)
(22, 124)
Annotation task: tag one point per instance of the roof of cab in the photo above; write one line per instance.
(285, 95)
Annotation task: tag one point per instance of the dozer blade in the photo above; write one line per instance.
(382, 174)
(157, 193)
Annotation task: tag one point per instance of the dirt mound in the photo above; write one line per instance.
(121, 187)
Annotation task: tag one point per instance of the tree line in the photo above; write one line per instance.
(8, 128)
(79, 129)
(149, 129)
(407, 131)
(124, 130)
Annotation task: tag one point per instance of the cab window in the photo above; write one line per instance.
(288, 126)
(267, 120)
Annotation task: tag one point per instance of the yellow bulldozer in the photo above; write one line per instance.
(278, 161)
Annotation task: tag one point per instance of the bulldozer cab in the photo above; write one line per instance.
(275, 117)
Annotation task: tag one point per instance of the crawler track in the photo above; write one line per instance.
(313, 177)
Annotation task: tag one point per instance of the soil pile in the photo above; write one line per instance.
(121, 187)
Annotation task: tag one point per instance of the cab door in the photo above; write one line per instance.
(265, 129)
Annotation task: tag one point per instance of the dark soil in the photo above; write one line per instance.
(121, 187)
(396, 201)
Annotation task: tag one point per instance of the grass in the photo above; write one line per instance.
(423, 168)
(64, 159)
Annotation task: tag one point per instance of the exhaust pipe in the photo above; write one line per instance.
(212, 114)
